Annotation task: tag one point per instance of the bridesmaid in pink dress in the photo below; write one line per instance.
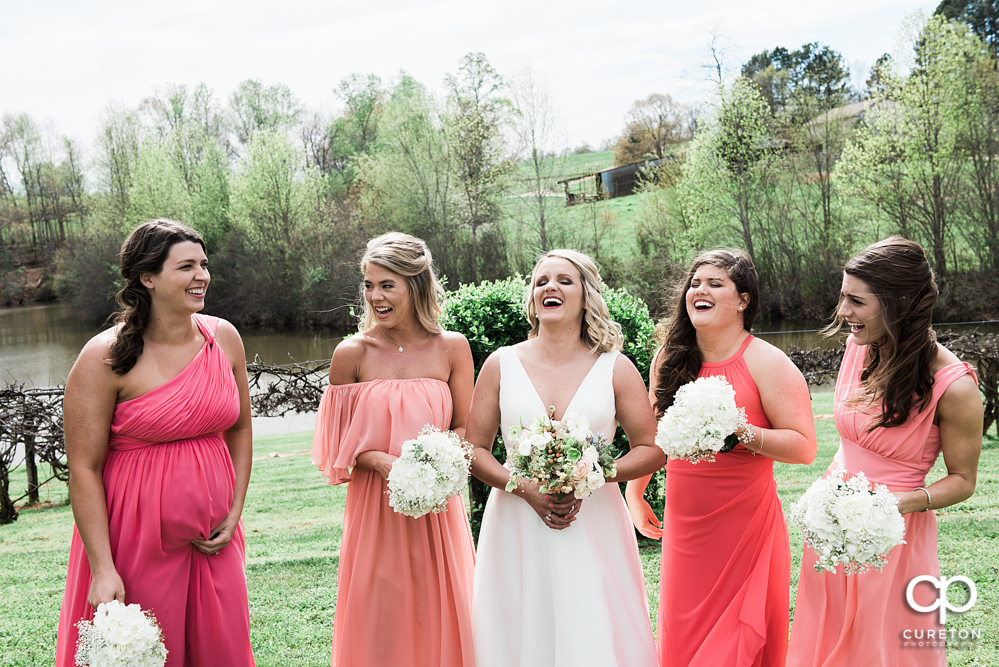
(725, 575)
(901, 399)
(404, 587)
(159, 446)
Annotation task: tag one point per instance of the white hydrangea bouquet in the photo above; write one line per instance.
(845, 521)
(432, 469)
(562, 457)
(120, 636)
(702, 421)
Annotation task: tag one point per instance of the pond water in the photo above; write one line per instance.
(39, 343)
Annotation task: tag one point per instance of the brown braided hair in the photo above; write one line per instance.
(897, 376)
(681, 357)
(143, 252)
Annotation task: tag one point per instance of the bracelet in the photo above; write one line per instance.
(929, 498)
(760, 450)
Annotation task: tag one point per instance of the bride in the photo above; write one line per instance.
(560, 582)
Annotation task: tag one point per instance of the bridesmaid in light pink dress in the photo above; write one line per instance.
(159, 446)
(404, 586)
(901, 399)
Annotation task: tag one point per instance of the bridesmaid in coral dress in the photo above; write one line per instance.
(404, 587)
(159, 446)
(725, 574)
(901, 399)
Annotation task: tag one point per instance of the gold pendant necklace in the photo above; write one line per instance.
(400, 345)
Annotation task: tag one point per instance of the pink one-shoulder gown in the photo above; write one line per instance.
(864, 619)
(726, 565)
(168, 479)
(404, 586)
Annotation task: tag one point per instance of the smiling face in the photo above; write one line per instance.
(558, 291)
(713, 299)
(182, 282)
(387, 294)
(861, 310)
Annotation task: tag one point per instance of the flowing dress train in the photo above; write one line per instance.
(546, 597)
(864, 619)
(168, 479)
(725, 577)
(404, 585)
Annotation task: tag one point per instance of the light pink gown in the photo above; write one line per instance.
(404, 586)
(726, 563)
(168, 479)
(846, 621)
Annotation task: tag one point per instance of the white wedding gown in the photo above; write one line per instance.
(550, 598)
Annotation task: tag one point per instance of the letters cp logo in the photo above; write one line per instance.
(942, 603)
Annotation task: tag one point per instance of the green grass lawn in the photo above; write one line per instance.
(293, 524)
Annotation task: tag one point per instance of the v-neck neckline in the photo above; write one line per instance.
(535, 389)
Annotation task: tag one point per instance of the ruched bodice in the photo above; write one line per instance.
(204, 393)
(898, 457)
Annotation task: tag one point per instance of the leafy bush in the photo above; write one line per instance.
(491, 316)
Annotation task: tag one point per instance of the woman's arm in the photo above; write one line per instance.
(88, 408)
(635, 415)
(959, 415)
(460, 381)
(483, 423)
(238, 439)
(345, 368)
(786, 403)
(645, 520)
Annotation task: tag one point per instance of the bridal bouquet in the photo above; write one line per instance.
(120, 635)
(560, 456)
(432, 469)
(702, 421)
(844, 521)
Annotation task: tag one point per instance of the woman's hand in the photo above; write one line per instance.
(106, 587)
(380, 462)
(557, 515)
(220, 536)
(642, 515)
(645, 519)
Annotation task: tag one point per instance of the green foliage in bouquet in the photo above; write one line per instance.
(491, 315)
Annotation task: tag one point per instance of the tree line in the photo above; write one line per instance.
(786, 161)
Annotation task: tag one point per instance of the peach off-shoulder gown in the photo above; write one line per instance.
(168, 479)
(861, 619)
(725, 577)
(404, 587)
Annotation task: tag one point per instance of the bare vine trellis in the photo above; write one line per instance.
(31, 418)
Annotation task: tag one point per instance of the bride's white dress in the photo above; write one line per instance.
(546, 597)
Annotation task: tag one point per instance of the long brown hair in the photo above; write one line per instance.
(144, 251)
(681, 357)
(897, 374)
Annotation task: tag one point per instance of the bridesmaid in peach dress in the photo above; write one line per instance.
(725, 575)
(901, 399)
(404, 587)
(158, 439)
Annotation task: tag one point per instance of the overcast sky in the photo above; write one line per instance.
(63, 61)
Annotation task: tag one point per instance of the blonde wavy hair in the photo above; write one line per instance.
(599, 332)
(409, 257)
